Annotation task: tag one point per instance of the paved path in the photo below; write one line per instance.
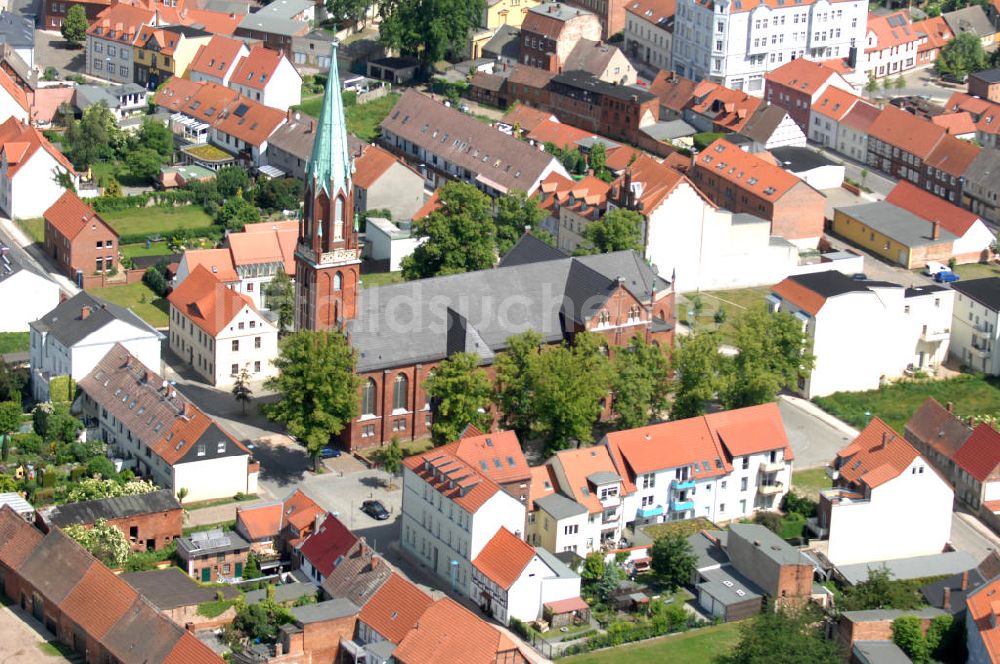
(21, 638)
(970, 534)
(815, 436)
(12, 235)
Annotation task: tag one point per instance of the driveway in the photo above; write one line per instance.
(814, 435)
(22, 638)
(51, 50)
(879, 269)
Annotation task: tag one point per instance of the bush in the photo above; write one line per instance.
(794, 503)
(770, 520)
(156, 278)
(27, 443)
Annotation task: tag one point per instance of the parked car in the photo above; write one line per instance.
(946, 277)
(375, 509)
(329, 453)
(859, 276)
(933, 267)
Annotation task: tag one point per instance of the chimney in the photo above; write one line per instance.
(965, 580)
(318, 521)
(885, 440)
(946, 599)
(935, 230)
(84, 312)
(950, 407)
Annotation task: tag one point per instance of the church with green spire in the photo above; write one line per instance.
(328, 258)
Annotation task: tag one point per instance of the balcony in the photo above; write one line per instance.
(770, 489)
(681, 505)
(979, 349)
(936, 335)
(772, 466)
(681, 485)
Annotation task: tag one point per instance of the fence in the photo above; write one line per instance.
(372, 95)
(103, 280)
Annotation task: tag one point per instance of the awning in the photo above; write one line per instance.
(566, 605)
(271, 171)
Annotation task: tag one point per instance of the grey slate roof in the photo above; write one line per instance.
(358, 576)
(56, 552)
(984, 171)
(18, 31)
(211, 541)
(763, 123)
(65, 323)
(669, 130)
(14, 260)
(970, 19)
(987, 75)
(771, 545)
(920, 567)
(561, 569)
(171, 588)
(879, 652)
(285, 8)
(901, 225)
(797, 160)
(272, 24)
(603, 477)
(505, 43)
(403, 324)
(86, 96)
(874, 615)
(530, 249)
(120, 507)
(142, 635)
(286, 592)
(586, 81)
(708, 553)
(984, 291)
(559, 506)
(321, 611)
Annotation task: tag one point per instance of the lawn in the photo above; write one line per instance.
(694, 647)
(808, 483)
(791, 525)
(686, 527)
(34, 228)
(139, 298)
(362, 119)
(733, 302)
(972, 395)
(157, 220)
(154, 249)
(381, 279)
(14, 342)
(978, 270)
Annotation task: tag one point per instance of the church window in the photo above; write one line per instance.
(338, 281)
(400, 387)
(338, 223)
(368, 398)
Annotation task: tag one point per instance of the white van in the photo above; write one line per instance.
(933, 267)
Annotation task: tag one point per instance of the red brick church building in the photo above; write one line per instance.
(400, 332)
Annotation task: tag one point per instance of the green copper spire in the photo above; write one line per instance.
(330, 163)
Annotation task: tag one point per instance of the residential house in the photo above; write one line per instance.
(160, 434)
(827, 113)
(14, 102)
(604, 61)
(383, 181)
(358, 575)
(936, 34)
(891, 44)
(219, 332)
(213, 556)
(71, 339)
(499, 17)
(498, 456)
(504, 47)
(28, 166)
(744, 182)
(973, 238)
(267, 77)
(27, 293)
(161, 52)
(290, 144)
(573, 204)
(983, 113)
(675, 93)
(277, 24)
(981, 192)
(513, 580)
(972, 20)
(649, 32)
(938, 434)
(978, 463)
(985, 84)
(127, 102)
(278, 527)
(974, 325)
(150, 521)
(389, 242)
(18, 32)
(772, 127)
(863, 332)
(738, 46)
(449, 144)
(875, 479)
(960, 125)
(393, 610)
(216, 60)
(950, 594)
(716, 108)
(799, 85)
(83, 605)
(318, 555)
(895, 233)
(982, 624)
(618, 112)
(109, 41)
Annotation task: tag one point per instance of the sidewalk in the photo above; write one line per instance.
(41, 261)
(815, 411)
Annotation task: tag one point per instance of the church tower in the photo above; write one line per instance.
(327, 258)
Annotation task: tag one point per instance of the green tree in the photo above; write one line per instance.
(698, 366)
(391, 457)
(871, 85)
(182, 493)
(318, 387)
(112, 188)
(279, 296)
(54, 422)
(428, 30)
(961, 56)
(236, 213)
(619, 229)
(63, 178)
(346, 12)
(460, 235)
(772, 354)
(101, 466)
(599, 162)
(144, 163)
(593, 567)
(231, 180)
(514, 387)
(74, 26)
(460, 394)
(95, 137)
(786, 636)
(879, 591)
(261, 620)
(909, 636)
(900, 82)
(241, 389)
(252, 569)
(946, 640)
(673, 560)
(10, 419)
(96, 489)
(570, 385)
(157, 136)
(103, 541)
(641, 383)
(277, 194)
(13, 380)
(515, 211)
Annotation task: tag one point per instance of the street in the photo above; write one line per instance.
(815, 437)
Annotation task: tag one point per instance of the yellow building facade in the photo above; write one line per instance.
(161, 53)
(894, 234)
(498, 13)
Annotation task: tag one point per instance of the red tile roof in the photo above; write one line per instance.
(675, 92)
(498, 455)
(207, 302)
(876, 456)
(956, 124)
(936, 33)
(431, 204)
(271, 243)
(98, 601)
(218, 23)
(728, 109)
(891, 31)
(260, 521)
(395, 608)
(801, 75)
(835, 103)
(28, 140)
(216, 57)
(653, 11)
(906, 131)
(953, 155)
(573, 467)
(748, 172)
(751, 430)
(983, 605)
(562, 135)
(658, 181)
(448, 633)
(18, 538)
(331, 541)
(254, 125)
(453, 478)
(526, 117)
(801, 296)
(256, 69)
(300, 510)
(70, 216)
(504, 558)
(217, 261)
(927, 206)
(189, 650)
(371, 165)
(861, 117)
(543, 483)
(120, 22)
(980, 455)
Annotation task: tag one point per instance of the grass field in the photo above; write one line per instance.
(154, 220)
(733, 302)
(381, 279)
(362, 119)
(34, 228)
(809, 483)
(972, 395)
(136, 250)
(699, 646)
(14, 342)
(978, 270)
(139, 298)
(687, 527)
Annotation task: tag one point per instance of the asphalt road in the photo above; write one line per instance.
(814, 439)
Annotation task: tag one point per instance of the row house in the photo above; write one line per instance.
(83, 605)
(649, 32)
(936, 34)
(618, 112)
(219, 333)
(213, 556)
(162, 435)
(967, 456)
(877, 478)
(891, 44)
(975, 324)
(828, 117)
(319, 554)
(742, 182)
(149, 521)
(110, 38)
(715, 108)
(162, 52)
(79, 241)
(272, 27)
(267, 77)
(981, 190)
(572, 206)
(551, 30)
(798, 87)
(216, 60)
(983, 112)
(27, 168)
(738, 44)
(276, 528)
(864, 332)
(985, 84)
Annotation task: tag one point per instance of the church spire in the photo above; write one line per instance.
(330, 165)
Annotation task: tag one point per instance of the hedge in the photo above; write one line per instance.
(626, 632)
(210, 232)
(159, 198)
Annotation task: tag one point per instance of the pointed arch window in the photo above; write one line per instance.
(400, 391)
(338, 220)
(338, 281)
(604, 319)
(368, 398)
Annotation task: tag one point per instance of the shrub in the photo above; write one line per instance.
(27, 443)
(770, 520)
(793, 502)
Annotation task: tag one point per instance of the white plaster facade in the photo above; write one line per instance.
(537, 585)
(11, 107)
(282, 91)
(221, 477)
(32, 189)
(974, 335)
(386, 241)
(648, 41)
(26, 297)
(735, 48)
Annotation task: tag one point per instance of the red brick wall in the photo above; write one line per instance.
(800, 213)
(990, 91)
(81, 253)
(158, 528)
(795, 102)
(215, 565)
(877, 630)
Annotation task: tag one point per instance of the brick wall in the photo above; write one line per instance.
(980, 88)
(800, 213)
(795, 102)
(849, 631)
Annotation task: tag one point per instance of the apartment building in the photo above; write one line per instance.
(798, 87)
(974, 325)
(551, 30)
(981, 192)
(109, 41)
(737, 44)
(267, 77)
(891, 45)
(829, 113)
(649, 32)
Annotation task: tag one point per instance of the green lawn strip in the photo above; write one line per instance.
(733, 302)
(685, 528)
(55, 649)
(222, 525)
(33, 228)
(697, 646)
(895, 404)
(214, 608)
(977, 270)
(14, 342)
(139, 298)
(140, 249)
(157, 220)
(381, 279)
(362, 119)
(791, 525)
(810, 482)
(204, 504)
